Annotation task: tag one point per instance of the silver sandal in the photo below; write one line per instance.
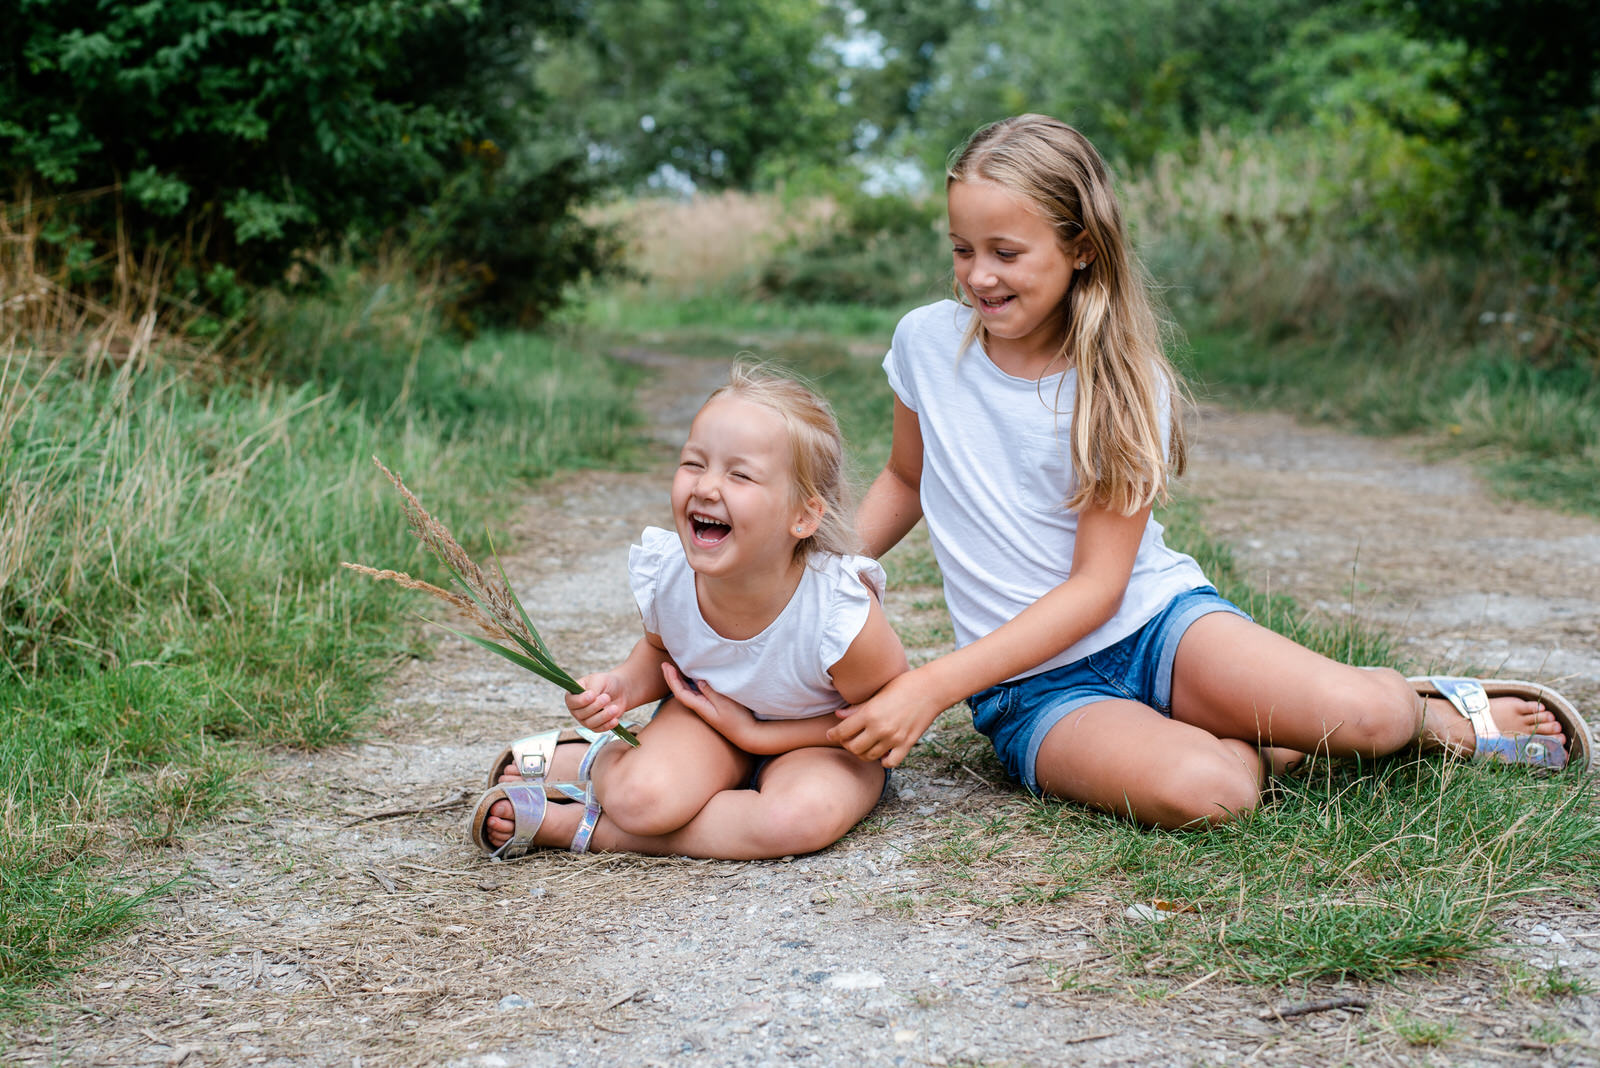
(1470, 697)
(534, 755)
(529, 805)
(531, 798)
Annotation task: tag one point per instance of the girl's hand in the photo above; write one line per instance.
(602, 703)
(885, 727)
(722, 714)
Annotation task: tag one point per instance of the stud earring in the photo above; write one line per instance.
(799, 532)
(1082, 264)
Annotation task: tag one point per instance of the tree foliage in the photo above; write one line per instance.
(244, 132)
(1527, 129)
(718, 93)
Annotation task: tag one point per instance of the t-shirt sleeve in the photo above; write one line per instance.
(860, 581)
(645, 562)
(897, 366)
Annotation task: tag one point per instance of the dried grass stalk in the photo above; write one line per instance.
(489, 602)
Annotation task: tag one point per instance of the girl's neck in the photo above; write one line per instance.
(1026, 361)
(738, 607)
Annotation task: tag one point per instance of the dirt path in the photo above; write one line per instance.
(342, 919)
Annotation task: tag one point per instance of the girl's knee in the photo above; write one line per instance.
(1383, 714)
(646, 803)
(1205, 790)
(794, 831)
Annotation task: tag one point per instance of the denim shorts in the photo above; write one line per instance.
(1016, 715)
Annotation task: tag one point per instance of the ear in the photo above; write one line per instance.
(808, 518)
(1081, 251)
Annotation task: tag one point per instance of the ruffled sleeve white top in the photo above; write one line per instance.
(785, 672)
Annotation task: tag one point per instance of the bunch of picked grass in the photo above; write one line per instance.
(488, 601)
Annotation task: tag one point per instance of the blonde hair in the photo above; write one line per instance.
(816, 450)
(1113, 336)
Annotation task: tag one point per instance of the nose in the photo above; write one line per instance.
(707, 485)
(980, 275)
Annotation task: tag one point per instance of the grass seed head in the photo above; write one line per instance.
(496, 598)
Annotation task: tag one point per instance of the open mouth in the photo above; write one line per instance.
(995, 304)
(708, 531)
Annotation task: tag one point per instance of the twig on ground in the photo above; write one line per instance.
(1306, 1008)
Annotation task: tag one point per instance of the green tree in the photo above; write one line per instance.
(1135, 77)
(1527, 132)
(724, 92)
(244, 133)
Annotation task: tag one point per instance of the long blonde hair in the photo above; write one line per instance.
(1113, 336)
(816, 450)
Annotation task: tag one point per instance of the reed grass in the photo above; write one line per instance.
(170, 595)
(1302, 286)
(708, 244)
(117, 308)
(487, 599)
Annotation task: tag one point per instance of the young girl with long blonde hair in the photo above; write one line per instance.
(759, 622)
(1034, 428)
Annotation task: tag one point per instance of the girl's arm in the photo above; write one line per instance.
(739, 725)
(874, 657)
(894, 503)
(885, 727)
(608, 695)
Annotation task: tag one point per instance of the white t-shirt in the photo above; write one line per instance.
(785, 672)
(996, 467)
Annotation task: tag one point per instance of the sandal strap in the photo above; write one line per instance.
(528, 803)
(591, 816)
(1490, 743)
(1471, 700)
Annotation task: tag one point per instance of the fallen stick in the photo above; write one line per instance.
(1306, 1008)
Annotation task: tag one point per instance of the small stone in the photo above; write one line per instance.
(489, 882)
(513, 1001)
(855, 981)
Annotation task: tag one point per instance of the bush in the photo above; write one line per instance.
(879, 251)
(242, 134)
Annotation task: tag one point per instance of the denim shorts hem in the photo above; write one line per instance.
(1017, 715)
(1169, 649)
(1030, 778)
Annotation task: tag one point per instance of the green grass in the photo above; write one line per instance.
(170, 592)
(719, 319)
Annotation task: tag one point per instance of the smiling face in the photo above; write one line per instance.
(733, 496)
(1015, 271)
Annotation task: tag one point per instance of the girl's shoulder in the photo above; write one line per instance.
(655, 551)
(942, 317)
(849, 575)
(847, 586)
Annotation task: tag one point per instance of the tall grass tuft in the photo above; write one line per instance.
(170, 595)
(487, 598)
(1302, 284)
(114, 308)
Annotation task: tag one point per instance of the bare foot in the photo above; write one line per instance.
(1444, 727)
(1276, 761)
(560, 823)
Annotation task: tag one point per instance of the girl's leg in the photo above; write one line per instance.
(1236, 679)
(660, 786)
(806, 800)
(680, 764)
(1127, 758)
